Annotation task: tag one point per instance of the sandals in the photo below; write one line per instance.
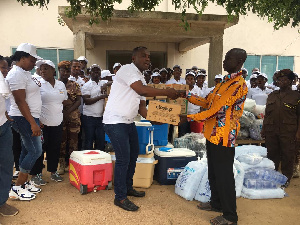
(206, 206)
(220, 220)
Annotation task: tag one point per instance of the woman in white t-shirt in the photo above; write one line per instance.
(53, 93)
(25, 110)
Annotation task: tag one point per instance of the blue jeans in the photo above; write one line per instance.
(124, 139)
(94, 131)
(6, 161)
(31, 145)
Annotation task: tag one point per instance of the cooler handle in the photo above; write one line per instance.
(150, 142)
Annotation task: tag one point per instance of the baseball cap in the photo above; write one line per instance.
(95, 66)
(163, 70)
(82, 58)
(262, 74)
(41, 62)
(201, 74)
(176, 66)
(28, 48)
(190, 73)
(156, 74)
(219, 76)
(253, 76)
(116, 65)
(105, 73)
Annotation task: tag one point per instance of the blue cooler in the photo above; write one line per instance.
(160, 134)
(171, 163)
(145, 133)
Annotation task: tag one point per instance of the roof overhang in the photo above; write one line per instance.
(152, 26)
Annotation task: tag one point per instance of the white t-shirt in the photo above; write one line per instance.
(193, 109)
(18, 79)
(52, 98)
(2, 110)
(93, 89)
(173, 81)
(260, 96)
(123, 102)
(35, 75)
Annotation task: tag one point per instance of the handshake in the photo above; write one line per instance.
(174, 94)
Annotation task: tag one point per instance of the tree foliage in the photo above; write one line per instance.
(280, 12)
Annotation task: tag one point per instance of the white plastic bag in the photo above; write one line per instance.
(189, 179)
(203, 193)
(255, 129)
(259, 111)
(246, 149)
(265, 163)
(250, 158)
(249, 105)
(239, 177)
(262, 193)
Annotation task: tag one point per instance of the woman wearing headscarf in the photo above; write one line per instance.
(25, 110)
(53, 93)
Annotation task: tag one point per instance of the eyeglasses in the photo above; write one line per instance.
(38, 83)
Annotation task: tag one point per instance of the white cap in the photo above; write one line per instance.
(41, 62)
(201, 74)
(116, 65)
(95, 66)
(190, 73)
(156, 74)
(105, 73)
(262, 74)
(163, 70)
(244, 69)
(28, 48)
(82, 58)
(219, 76)
(253, 76)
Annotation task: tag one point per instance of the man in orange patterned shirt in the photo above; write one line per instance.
(221, 124)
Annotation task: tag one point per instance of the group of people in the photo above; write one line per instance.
(62, 112)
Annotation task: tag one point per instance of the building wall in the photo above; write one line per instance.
(40, 27)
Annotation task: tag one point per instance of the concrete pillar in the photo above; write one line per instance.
(215, 58)
(79, 43)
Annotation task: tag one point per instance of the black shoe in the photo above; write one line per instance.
(135, 193)
(126, 204)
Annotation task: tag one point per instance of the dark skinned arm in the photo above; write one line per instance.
(142, 109)
(20, 96)
(89, 101)
(146, 91)
(75, 105)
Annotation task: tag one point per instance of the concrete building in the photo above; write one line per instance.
(210, 37)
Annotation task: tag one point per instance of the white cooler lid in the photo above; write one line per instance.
(90, 157)
(144, 124)
(175, 152)
(139, 159)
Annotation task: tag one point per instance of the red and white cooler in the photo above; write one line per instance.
(90, 170)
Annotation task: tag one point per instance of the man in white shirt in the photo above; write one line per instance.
(93, 110)
(127, 98)
(75, 72)
(261, 92)
(177, 79)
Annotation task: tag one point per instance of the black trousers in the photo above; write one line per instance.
(17, 147)
(52, 142)
(221, 179)
(282, 148)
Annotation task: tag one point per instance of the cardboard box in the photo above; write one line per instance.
(163, 112)
(183, 102)
(144, 172)
(158, 86)
(181, 87)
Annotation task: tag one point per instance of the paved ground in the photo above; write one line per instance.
(61, 203)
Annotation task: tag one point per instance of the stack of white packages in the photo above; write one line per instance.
(261, 181)
(193, 183)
